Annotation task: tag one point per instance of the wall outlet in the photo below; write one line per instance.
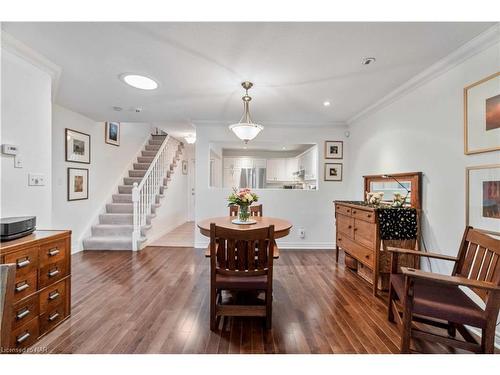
(36, 179)
(302, 233)
(18, 162)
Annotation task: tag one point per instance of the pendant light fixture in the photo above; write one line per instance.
(246, 130)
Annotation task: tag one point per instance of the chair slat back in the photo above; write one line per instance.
(256, 210)
(478, 259)
(241, 253)
(233, 210)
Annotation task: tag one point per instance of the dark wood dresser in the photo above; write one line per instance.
(42, 291)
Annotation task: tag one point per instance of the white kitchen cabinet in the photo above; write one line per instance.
(292, 166)
(275, 169)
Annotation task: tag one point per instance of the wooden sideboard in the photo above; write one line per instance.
(42, 290)
(358, 234)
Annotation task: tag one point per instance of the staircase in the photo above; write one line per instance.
(116, 226)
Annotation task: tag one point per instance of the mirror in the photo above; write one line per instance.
(264, 165)
(391, 187)
(401, 183)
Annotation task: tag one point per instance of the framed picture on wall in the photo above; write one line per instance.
(78, 184)
(334, 149)
(77, 146)
(333, 172)
(184, 167)
(482, 194)
(112, 134)
(482, 115)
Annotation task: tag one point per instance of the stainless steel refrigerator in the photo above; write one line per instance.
(253, 178)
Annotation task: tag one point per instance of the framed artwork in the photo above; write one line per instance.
(78, 184)
(112, 133)
(77, 147)
(184, 167)
(333, 171)
(482, 194)
(482, 115)
(334, 149)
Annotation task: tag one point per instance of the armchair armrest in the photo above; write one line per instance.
(451, 280)
(421, 253)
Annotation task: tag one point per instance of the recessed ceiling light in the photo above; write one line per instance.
(139, 82)
(326, 103)
(283, 148)
(117, 109)
(368, 60)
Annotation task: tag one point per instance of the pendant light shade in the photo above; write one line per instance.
(246, 129)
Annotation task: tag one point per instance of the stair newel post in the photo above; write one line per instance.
(136, 221)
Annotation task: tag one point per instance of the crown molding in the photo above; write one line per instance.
(481, 42)
(273, 124)
(19, 49)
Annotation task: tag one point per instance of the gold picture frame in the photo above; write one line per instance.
(467, 149)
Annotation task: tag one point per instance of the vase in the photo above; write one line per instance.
(243, 213)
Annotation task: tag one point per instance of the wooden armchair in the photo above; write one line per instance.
(7, 281)
(255, 210)
(437, 300)
(240, 261)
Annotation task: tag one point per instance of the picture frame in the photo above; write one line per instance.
(482, 115)
(112, 133)
(78, 184)
(333, 172)
(334, 149)
(77, 146)
(482, 198)
(184, 167)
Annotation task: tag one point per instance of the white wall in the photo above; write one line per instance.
(26, 122)
(311, 210)
(108, 165)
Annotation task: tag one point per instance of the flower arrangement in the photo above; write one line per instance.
(398, 200)
(374, 198)
(242, 198)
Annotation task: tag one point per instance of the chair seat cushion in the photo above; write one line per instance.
(439, 301)
(240, 282)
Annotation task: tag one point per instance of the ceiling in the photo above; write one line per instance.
(295, 67)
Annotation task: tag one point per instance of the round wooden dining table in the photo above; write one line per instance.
(281, 226)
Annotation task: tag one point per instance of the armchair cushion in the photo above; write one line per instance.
(441, 301)
(241, 282)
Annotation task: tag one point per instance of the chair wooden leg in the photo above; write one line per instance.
(406, 326)
(392, 296)
(213, 317)
(337, 254)
(452, 329)
(488, 339)
(269, 309)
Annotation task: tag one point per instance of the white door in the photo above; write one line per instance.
(191, 189)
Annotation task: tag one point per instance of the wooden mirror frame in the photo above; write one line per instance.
(415, 178)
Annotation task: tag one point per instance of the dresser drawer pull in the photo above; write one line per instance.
(369, 215)
(23, 263)
(53, 295)
(353, 211)
(53, 317)
(22, 314)
(349, 227)
(53, 272)
(24, 285)
(53, 252)
(23, 337)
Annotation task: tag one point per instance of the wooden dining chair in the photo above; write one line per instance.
(241, 261)
(255, 210)
(433, 299)
(7, 281)
(233, 210)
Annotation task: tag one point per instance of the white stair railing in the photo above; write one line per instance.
(144, 194)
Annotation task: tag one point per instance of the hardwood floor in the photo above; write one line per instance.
(156, 301)
(181, 236)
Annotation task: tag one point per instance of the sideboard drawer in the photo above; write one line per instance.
(363, 215)
(52, 296)
(341, 209)
(26, 260)
(24, 311)
(25, 285)
(52, 272)
(52, 252)
(25, 335)
(365, 233)
(52, 318)
(345, 225)
(359, 252)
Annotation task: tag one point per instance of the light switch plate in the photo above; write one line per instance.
(36, 179)
(18, 162)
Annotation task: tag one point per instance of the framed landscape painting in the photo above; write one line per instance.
(334, 149)
(482, 185)
(78, 184)
(77, 146)
(333, 172)
(482, 115)
(112, 135)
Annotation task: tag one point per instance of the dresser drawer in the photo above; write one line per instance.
(52, 296)
(26, 261)
(344, 210)
(52, 252)
(345, 225)
(52, 272)
(24, 311)
(25, 335)
(365, 215)
(357, 251)
(25, 285)
(51, 318)
(365, 233)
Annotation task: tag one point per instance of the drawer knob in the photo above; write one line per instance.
(369, 215)
(53, 317)
(22, 286)
(354, 211)
(355, 228)
(367, 256)
(53, 295)
(23, 263)
(53, 252)
(350, 226)
(340, 239)
(53, 272)
(24, 312)
(23, 337)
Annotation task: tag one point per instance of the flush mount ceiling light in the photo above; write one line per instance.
(139, 82)
(191, 138)
(368, 60)
(246, 130)
(327, 103)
